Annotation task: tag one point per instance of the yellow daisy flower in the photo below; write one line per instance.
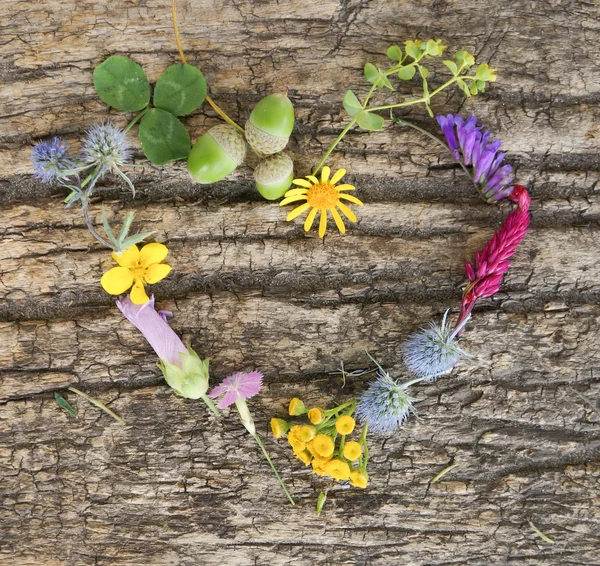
(322, 196)
(136, 267)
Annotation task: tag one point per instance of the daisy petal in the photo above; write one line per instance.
(310, 219)
(337, 176)
(323, 222)
(325, 174)
(302, 183)
(295, 198)
(353, 199)
(313, 179)
(294, 192)
(349, 214)
(129, 258)
(297, 211)
(338, 220)
(153, 253)
(138, 294)
(155, 272)
(345, 187)
(117, 280)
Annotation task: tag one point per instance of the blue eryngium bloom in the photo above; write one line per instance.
(105, 145)
(50, 160)
(492, 177)
(386, 404)
(433, 351)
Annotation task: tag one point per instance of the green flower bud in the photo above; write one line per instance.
(269, 127)
(216, 154)
(274, 176)
(191, 379)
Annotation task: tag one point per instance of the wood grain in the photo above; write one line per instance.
(176, 486)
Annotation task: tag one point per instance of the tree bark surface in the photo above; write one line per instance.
(176, 486)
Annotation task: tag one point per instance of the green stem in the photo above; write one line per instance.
(264, 451)
(86, 214)
(363, 442)
(98, 404)
(333, 145)
(138, 117)
(369, 94)
(211, 405)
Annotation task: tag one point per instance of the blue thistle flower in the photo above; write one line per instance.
(105, 145)
(491, 176)
(50, 160)
(433, 351)
(386, 404)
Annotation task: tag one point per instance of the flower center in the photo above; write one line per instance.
(138, 272)
(322, 195)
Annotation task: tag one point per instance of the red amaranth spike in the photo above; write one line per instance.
(492, 262)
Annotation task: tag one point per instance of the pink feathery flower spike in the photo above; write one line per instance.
(492, 262)
(239, 386)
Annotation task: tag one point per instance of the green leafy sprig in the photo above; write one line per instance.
(406, 64)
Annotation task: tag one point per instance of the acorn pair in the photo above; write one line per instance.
(220, 150)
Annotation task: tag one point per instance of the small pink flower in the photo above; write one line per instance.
(236, 387)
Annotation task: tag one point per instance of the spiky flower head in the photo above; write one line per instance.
(106, 145)
(433, 352)
(50, 160)
(385, 405)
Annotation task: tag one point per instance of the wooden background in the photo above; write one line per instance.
(177, 487)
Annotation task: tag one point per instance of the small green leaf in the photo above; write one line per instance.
(385, 81)
(452, 66)
(394, 53)
(465, 57)
(482, 72)
(463, 86)
(413, 49)
(407, 73)
(371, 73)
(351, 103)
(473, 88)
(121, 83)
(180, 89)
(64, 404)
(432, 48)
(424, 71)
(369, 121)
(480, 86)
(164, 138)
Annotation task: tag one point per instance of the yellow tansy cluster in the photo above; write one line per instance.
(323, 445)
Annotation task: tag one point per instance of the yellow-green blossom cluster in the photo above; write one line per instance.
(324, 444)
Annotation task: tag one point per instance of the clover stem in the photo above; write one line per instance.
(136, 119)
(214, 105)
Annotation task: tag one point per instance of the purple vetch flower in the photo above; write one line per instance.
(184, 371)
(50, 160)
(239, 386)
(492, 177)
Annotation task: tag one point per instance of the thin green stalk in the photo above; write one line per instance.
(98, 404)
(264, 451)
(138, 117)
(363, 442)
(211, 405)
(333, 145)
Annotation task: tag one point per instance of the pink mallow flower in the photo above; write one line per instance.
(184, 371)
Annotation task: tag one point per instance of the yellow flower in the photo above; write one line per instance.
(345, 425)
(306, 433)
(319, 462)
(297, 407)
(294, 440)
(352, 450)
(337, 469)
(322, 196)
(136, 267)
(359, 479)
(322, 445)
(279, 427)
(316, 415)
(304, 457)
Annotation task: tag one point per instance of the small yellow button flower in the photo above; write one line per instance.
(359, 479)
(352, 450)
(306, 433)
(322, 445)
(337, 469)
(304, 457)
(297, 407)
(136, 268)
(279, 427)
(345, 425)
(316, 415)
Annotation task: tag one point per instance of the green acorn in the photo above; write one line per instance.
(274, 176)
(216, 154)
(269, 127)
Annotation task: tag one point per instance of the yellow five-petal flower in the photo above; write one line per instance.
(136, 268)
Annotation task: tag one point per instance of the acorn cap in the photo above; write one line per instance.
(274, 176)
(231, 140)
